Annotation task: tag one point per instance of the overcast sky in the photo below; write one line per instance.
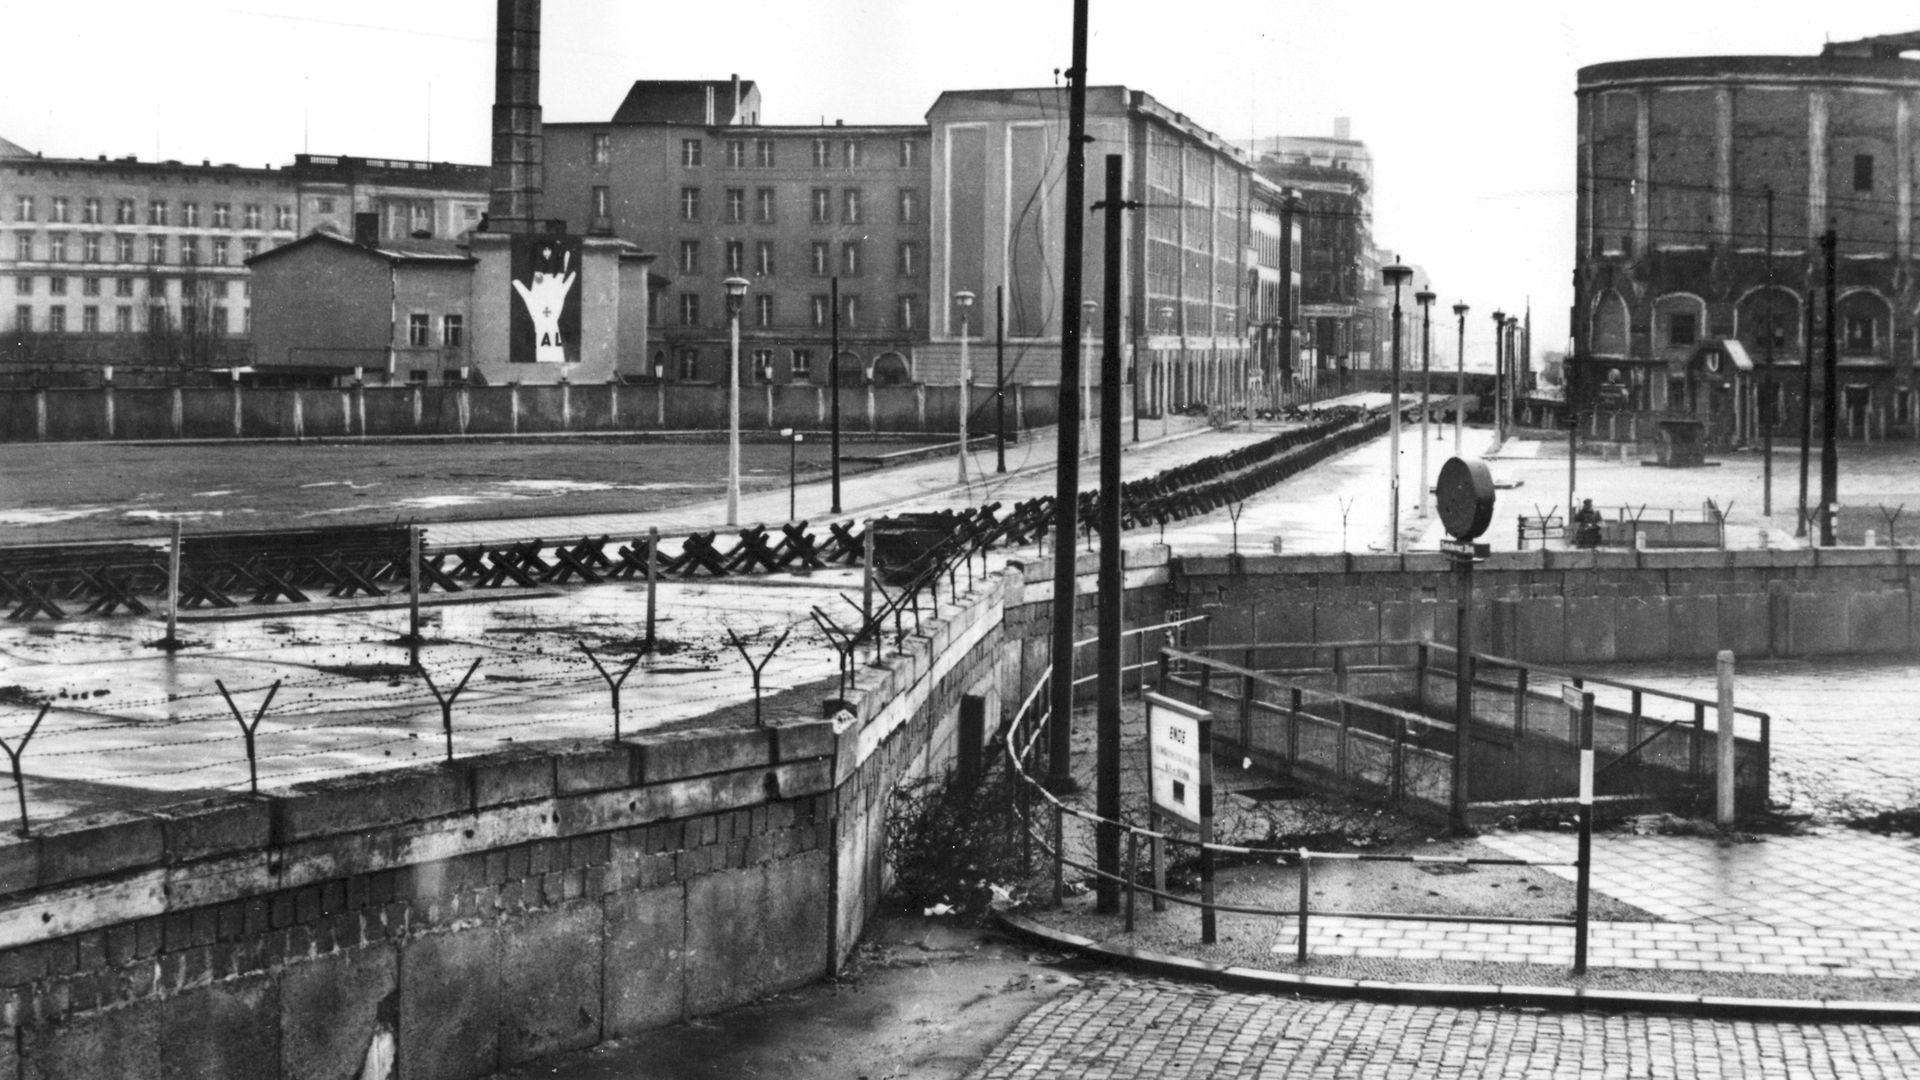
(1467, 107)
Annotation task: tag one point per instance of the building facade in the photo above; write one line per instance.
(1340, 295)
(1705, 185)
(820, 220)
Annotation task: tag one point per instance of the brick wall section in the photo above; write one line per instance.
(1573, 607)
(472, 916)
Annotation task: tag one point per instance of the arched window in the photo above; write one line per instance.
(1761, 308)
(1863, 319)
(1608, 335)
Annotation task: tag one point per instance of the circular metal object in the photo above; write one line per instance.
(1464, 494)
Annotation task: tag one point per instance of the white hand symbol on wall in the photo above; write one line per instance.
(545, 300)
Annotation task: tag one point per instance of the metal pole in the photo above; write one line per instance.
(653, 574)
(1066, 466)
(833, 376)
(1830, 407)
(961, 457)
(733, 414)
(1284, 369)
(173, 590)
(1000, 376)
(1393, 439)
(1459, 376)
(1806, 411)
(1723, 765)
(1462, 692)
(1426, 379)
(1766, 383)
(1582, 886)
(1107, 753)
(793, 477)
(413, 585)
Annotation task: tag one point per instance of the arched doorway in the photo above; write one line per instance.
(890, 369)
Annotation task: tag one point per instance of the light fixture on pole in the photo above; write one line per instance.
(1424, 298)
(1087, 308)
(964, 301)
(1460, 375)
(1499, 371)
(736, 296)
(794, 439)
(1396, 275)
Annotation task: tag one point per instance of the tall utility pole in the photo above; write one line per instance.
(1499, 333)
(1424, 298)
(1830, 408)
(1067, 463)
(833, 377)
(1284, 370)
(1107, 765)
(1000, 377)
(1572, 380)
(1395, 275)
(1459, 374)
(1766, 383)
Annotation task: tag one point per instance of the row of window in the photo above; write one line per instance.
(821, 204)
(693, 153)
(820, 261)
(126, 249)
(420, 330)
(158, 318)
(125, 212)
(122, 286)
(1859, 333)
(908, 311)
(799, 364)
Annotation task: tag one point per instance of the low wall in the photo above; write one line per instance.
(1572, 607)
(110, 413)
(453, 920)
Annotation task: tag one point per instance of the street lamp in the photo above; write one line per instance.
(1087, 308)
(1499, 371)
(963, 300)
(736, 296)
(1511, 384)
(1460, 375)
(794, 439)
(1395, 275)
(1424, 298)
(1160, 370)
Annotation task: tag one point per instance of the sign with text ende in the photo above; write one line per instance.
(1178, 763)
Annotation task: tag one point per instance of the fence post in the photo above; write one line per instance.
(1582, 886)
(1133, 872)
(1520, 702)
(1157, 855)
(1420, 678)
(1246, 715)
(1293, 728)
(1306, 873)
(1723, 732)
(1694, 752)
(1059, 853)
(1633, 728)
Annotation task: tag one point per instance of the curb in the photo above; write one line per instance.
(1462, 995)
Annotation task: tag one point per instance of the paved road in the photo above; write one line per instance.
(1117, 1027)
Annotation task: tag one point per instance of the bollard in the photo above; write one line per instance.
(1306, 872)
(1723, 742)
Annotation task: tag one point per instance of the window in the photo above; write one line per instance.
(220, 289)
(156, 249)
(248, 249)
(689, 204)
(763, 204)
(821, 309)
(123, 286)
(850, 258)
(56, 285)
(909, 153)
(283, 217)
(818, 254)
(822, 153)
(90, 286)
(851, 153)
(736, 257)
(736, 153)
(23, 208)
(251, 216)
(1859, 333)
(822, 206)
(762, 310)
(850, 206)
(123, 249)
(802, 364)
(57, 247)
(90, 247)
(59, 209)
(417, 329)
(690, 150)
(602, 203)
(90, 319)
(763, 153)
(123, 212)
(246, 320)
(23, 246)
(222, 215)
(689, 309)
(190, 212)
(56, 320)
(689, 256)
(123, 319)
(157, 212)
(452, 330)
(1862, 173)
(157, 287)
(219, 321)
(689, 363)
(602, 148)
(763, 365)
(190, 250)
(736, 205)
(23, 285)
(849, 309)
(220, 251)
(90, 211)
(22, 317)
(906, 313)
(416, 376)
(763, 259)
(909, 205)
(1683, 328)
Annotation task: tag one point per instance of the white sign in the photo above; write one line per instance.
(1177, 760)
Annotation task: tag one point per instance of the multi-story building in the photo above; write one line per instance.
(1339, 276)
(1704, 187)
(802, 213)
(142, 264)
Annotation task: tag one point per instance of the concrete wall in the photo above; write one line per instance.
(1561, 607)
(453, 920)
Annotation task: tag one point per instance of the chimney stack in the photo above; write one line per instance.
(736, 100)
(517, 159)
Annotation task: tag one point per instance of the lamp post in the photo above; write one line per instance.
(1000, 377)
(1499, 332)
(1424, 298)
(1087, 308)
(1160, 370)
(1511, 384)
(736, 296)
(1396, 275)
(794, 439)
(963, 300)
(1460, 374)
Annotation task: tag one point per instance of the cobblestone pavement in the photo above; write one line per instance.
(1117, 1027)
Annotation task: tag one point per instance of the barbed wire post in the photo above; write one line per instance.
(13, 759)
(613, 684)
(757, 668)
(446, 701)
(247, 730)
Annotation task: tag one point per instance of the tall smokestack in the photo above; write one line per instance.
(517, 168)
